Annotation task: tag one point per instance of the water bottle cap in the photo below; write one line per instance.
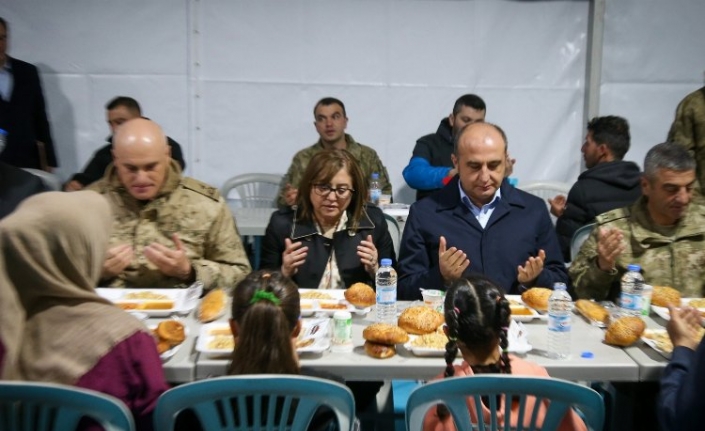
(3, 132)
(559, 286)
(587, 355)
(633, 267)
(386, 262)
(375, 175)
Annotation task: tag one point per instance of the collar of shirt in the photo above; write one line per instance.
(482, 214)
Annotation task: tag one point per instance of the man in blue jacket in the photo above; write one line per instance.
(430, 166)
(479, 223)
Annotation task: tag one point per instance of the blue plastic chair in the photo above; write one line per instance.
(255, 402)
(33, 406)
(558, 395)
(579, 237)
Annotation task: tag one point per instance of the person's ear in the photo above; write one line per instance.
(297, 329)
(234, 328)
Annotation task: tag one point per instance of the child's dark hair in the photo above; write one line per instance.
(266, 307)
(477, 315)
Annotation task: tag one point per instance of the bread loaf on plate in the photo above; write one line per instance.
(537, 298)
(212, 305)
(625, 331)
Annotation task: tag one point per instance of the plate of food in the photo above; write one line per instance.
(520, 312)
(658, 340)
(169, 335)
(216, 339)
(698, 303)
(155, 302)
(329, 301)
(434, 344)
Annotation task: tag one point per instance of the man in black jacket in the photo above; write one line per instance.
(118, 111)
(16, 185)
(608, 183)
(22, 113)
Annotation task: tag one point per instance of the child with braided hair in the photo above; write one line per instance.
(477, 320)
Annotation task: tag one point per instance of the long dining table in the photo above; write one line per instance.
(591, 359)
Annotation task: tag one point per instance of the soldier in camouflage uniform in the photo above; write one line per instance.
(688, 129)
(331, 121)
(169, 230)
(664, 232)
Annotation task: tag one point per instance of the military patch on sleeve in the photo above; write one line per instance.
(613, 215)
(200, 188)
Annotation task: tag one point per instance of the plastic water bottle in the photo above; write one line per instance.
(386, 286)
(632, 289)
(375, 188)
(560, 307)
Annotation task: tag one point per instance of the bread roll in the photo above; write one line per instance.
(171, 331)
(420, 320)
(379, 351)
(537, 298)
(383, 333)
(360, 295)
(212, 305)
(624, 331)
(593, 310)
(664, 296)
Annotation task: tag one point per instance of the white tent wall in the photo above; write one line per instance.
(235, 81)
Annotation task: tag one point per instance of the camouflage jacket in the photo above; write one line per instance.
(688, 129)
(677, 261)
(366, 156)
(184, 206)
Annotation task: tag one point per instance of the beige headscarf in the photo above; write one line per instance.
(11, 326)
(54, 246)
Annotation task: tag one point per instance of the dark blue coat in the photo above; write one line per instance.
(519, 227)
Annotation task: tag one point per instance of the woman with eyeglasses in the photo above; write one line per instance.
(332, 238)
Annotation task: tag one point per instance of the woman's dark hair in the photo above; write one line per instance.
(477, 315)
(266, 307)
(320, 170)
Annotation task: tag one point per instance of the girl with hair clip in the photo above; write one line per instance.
(265, 321)
(477, 319)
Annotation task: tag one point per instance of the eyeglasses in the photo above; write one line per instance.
(325, 189)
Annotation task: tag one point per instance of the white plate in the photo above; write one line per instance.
(183, 303)
(313, 306)
(171, 352)
(517, 335)
(515, 301)
(316, 329)
(653, 344)
(665, 314)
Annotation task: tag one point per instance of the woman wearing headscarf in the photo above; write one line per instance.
(11, 327)
(54, 247)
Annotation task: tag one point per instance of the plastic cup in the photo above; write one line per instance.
(433, 298)
(385, 199)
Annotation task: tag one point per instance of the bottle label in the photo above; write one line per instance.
(387, 294)
(558, 323)
(374, 195)
(631, 301)
(342, 330)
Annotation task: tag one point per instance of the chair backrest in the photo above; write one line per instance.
(51, 181)
(254, 190)
(546, 190)
(34, 406)
(579, 237)
(456, 393)
(394, 232)
(253, 402)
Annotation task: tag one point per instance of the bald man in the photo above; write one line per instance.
(169, 230)
(480, 224)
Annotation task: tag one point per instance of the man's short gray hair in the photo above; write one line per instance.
(668, 155)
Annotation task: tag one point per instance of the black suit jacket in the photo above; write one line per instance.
(15, 186)
(25, 119)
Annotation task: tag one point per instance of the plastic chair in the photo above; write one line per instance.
(254, 190)
(254, 402)
(33, 406)
(394, 232)
(546, 190)
(579, 237)
(51, 181)
(557, 395)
